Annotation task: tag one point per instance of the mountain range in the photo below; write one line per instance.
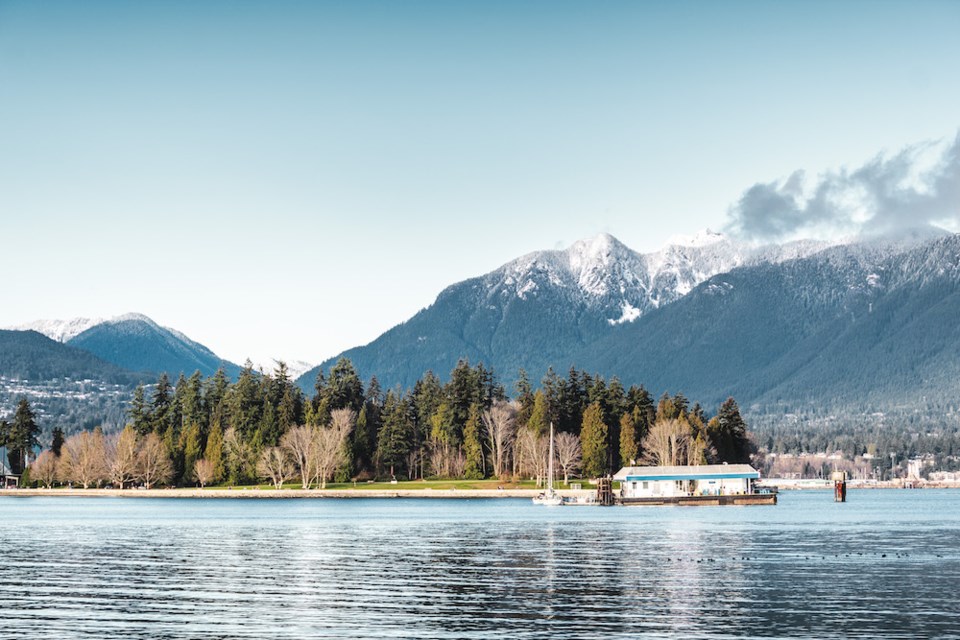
(858, 326)
(135, 343)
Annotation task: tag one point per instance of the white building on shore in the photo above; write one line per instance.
(687, 481)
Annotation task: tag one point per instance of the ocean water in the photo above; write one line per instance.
(885, 564)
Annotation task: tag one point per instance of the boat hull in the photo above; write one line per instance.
(685, 501)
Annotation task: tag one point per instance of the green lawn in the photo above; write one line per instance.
(406, 485)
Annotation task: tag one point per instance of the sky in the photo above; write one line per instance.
(290, 179)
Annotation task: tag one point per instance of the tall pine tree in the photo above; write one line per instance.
(593, 441)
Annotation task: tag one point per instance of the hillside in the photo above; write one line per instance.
(137, 343)
(543, 308)
(28, 355)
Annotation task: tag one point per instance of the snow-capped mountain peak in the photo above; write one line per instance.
(604, 275)
(59, 330)
(132, 317)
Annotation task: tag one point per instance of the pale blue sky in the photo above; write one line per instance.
(293, 178)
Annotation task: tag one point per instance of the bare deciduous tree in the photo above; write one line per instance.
(446, 460)
(122, 457)
(569, 454)
(533, 451)
(154, 464)
(697, 451)
(327, 452)
(203, 471)
(44, 468)
(300, 442)
(274, 463)
(500, 422)
(666, 442)
(83, 458)
(343, 420)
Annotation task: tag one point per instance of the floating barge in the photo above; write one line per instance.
(712, 484)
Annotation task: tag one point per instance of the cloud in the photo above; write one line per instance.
(918, 186)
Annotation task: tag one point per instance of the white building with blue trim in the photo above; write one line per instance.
(651, 483)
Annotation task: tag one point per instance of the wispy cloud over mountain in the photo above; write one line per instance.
(918, 185)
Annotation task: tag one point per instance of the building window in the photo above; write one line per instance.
(646, 485)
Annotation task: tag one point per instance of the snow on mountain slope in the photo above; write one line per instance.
(604, 274)
(59, 330)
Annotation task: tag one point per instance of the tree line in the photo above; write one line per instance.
(203, 431)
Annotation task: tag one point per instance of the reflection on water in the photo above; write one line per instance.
(886, 563)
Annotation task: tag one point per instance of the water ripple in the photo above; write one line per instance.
(884, 565)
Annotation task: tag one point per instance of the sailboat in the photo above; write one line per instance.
(549, 497)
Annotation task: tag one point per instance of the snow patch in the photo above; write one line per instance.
(60, 330)
(629, 313)
(529, 287)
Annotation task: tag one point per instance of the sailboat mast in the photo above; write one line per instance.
(550, 462)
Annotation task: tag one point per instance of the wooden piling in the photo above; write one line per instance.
(839, 486)
(605, 492)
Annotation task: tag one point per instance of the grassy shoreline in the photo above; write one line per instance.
(454, 489)
(400, 489)
(262, 492)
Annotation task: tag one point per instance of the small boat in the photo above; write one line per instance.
(549, 498)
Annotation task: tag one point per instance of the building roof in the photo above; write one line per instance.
(701, 472)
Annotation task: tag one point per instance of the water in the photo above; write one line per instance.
(887, 564)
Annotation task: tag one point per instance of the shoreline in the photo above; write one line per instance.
(253, 492)
(425, 493)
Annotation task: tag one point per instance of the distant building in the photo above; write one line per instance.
(8, 479)
(644, 484)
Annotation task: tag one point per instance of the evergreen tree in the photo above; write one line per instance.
(361, 439)
(290, 409)
(269, 427)
(539, 422)
(193, 410)
(593, 441)
(177, 419)
(374, 392)
(56, 444)
(192, 450)
(629, 445)
(680, 404)
(139, 412)
(475, 468)
(550, 387)
(22, 436)
(396, 435)
(214, 450)
(443, 429)
(171, 441)
(160, 405)
(344, 389)
(666, 409)
(571, 400)
(464, 389)
(427, 396)
(524, 398)
(245, 403)
(215, 391)
(728, 434)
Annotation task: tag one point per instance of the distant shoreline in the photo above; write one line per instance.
(253, 492)
(426, 493)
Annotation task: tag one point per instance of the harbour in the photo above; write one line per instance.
(480, 568)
